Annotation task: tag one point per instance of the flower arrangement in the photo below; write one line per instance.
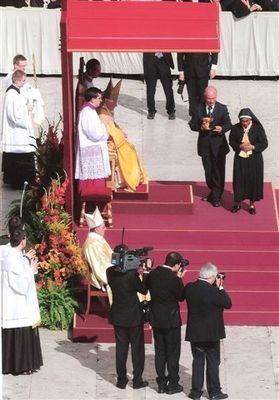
(60, 258)
(59, 253)
(49, 153)
(48, 227)
(49, 163)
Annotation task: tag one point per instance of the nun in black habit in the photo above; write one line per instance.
(248, 140)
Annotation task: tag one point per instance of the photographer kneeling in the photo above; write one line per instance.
(166, 290)
(126, 315)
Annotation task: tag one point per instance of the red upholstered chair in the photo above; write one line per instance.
(95, 194)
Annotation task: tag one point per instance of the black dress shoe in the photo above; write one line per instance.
(151, 115)
(219, 396)
(171, 115)
(252, 211)
(139, 385)
(216, 203)
(172, 389)
(235, 208)
(162, 388)
(193, 396)
(122, 384)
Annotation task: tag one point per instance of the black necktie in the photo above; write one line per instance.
(209, 111)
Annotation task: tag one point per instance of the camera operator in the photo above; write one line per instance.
(127, 318)
(206, 300)
(166, 290)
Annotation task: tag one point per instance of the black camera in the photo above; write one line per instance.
(221, 275)
(125, 259)
(183, 264)
(181, 85)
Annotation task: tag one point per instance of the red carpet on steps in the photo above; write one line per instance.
(245, 246)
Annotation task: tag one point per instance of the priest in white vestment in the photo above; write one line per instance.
(92, 156)
(97, 251)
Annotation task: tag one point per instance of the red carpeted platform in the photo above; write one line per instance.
(244, 246)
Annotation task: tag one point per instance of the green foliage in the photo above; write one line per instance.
(57, 306)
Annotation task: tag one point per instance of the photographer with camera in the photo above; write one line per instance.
(166, 290)
(126, 314)
(206, 300)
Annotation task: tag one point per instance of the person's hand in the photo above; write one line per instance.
(29, 106)
(34, 264)
(219, 281)
(218, 129)
(180, 273)
(255, 7)
(212, 73)
(31, 254)
(246, 147)
(181, 76)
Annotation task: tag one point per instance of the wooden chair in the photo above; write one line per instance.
(91, 291)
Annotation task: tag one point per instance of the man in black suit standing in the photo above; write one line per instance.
(195, 69)
(166, 290)
(127, 318)
(158, 66)
(212, 120)
(206, 300)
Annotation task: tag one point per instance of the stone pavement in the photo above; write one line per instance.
(77, 371)
(249, 368)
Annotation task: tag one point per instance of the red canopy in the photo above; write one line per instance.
(141, 26)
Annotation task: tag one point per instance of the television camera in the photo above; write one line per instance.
(125, 259)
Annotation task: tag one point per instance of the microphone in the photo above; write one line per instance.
(22, 197)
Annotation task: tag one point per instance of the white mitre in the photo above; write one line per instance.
(94, 220)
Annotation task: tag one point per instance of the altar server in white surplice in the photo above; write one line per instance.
(92, 156)
(97, 251)
(32, 95)
(21, 349)
(18, 136)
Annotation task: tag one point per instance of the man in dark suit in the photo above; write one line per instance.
(166, 290)
(127, 318)
(212, 120)
(195, 69)
(158, 66)
(206, 300)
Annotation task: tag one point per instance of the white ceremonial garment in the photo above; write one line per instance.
(92, 156)
(32, 95)
(17, 130)
(20, 306)
(97, 253)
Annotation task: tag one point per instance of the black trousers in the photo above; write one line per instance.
(158, 69)
(214, 168)
(208, 352)
(18, 168)
(125, 336)
(167, 344)
(195, 88)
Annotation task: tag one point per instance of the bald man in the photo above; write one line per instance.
(212, 120)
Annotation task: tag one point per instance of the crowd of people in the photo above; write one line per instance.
(240, 8)
(31, 3)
